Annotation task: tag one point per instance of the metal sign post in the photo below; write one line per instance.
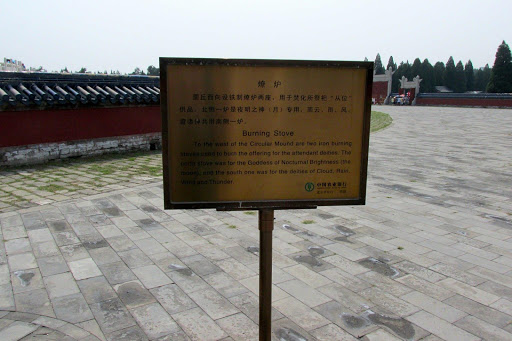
(264, 135)
(265, 225)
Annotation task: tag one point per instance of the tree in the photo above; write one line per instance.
(482, 77)
(427, 76)
(415, 68)
(379, 69)
(82, 70)
(470, 76)
(153, 71)
(407, 70)
(404, 69)
(391, 64)
(501, 74)
(65, 70)
(460, 78)
(137, 71)
(439, 74)
(449, 74)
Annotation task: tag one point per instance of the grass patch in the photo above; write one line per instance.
(308, 222)
(400, 248)
(250, 212)
(104, 170)
(232, 226)
(379, 121)
(51, 188)
(151, 170)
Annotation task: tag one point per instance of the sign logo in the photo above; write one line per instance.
(309, 186)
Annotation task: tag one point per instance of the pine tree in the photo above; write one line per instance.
(501, 74)
(449, 75)
(407, 70)
(415, 68)
(395, 84)
(439, 74)
(379, 69)
(482, 77)
(460, 78)
(404, 69)
(427, 74)
(470, 76)
(391, 64)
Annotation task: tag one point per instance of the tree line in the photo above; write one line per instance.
(151, 71)
(456, 77)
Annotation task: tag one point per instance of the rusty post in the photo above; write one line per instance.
(265, 225)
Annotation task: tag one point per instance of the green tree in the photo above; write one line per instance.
(449, 79)
(470, 76)
(427, 74)
(65, 70)
(82, 70)
(391, 64)
(379, 69)
(407, 70)
(460, 78)
(404, 69)
(415, 68)
(501, 74)
(482, 77)
(153, 71)
(439, 74)
(137, 71)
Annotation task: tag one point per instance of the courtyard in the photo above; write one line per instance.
(88, 253)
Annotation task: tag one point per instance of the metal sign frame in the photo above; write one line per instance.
(271, 204)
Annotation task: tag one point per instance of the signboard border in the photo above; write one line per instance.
(270, 204)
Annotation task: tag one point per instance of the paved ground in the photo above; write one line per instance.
(428, 258)
(24, 187)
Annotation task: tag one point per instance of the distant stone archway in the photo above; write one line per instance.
(381, 88)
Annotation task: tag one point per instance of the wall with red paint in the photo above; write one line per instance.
(18, 128)
(465, 102)
(379, 91)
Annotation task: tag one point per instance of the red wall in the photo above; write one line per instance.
(380, 91)
(469, 102)
(19, 128)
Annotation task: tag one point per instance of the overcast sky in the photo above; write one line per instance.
(121, 35)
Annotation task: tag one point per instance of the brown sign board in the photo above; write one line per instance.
(251, 134)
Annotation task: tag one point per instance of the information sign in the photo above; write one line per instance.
(264, 133)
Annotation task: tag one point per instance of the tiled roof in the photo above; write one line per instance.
(32, 90)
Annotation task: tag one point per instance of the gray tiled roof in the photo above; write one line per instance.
(26, 90)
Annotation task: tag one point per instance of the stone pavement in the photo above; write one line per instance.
(428, 258)
(23, 187)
